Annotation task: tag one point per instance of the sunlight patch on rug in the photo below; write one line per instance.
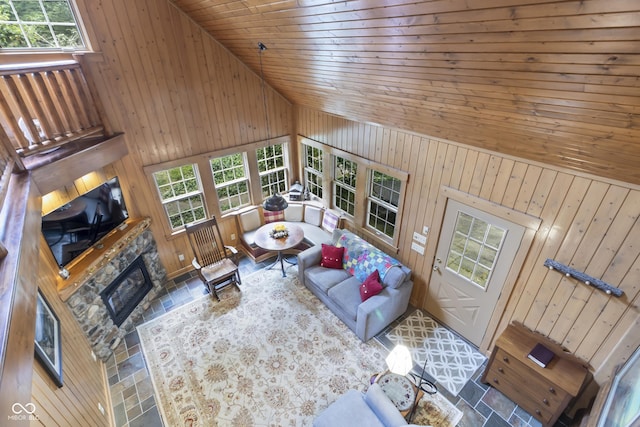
(270, 354)
(450, 360)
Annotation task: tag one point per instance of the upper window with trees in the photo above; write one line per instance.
(181, 195)
(231, 180)
(272, 168)
(313, 169)
(344, 184)
(39, 24)
(383, 202)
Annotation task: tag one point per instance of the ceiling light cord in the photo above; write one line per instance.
(262, 48)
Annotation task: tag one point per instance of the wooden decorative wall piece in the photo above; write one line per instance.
(588, 280)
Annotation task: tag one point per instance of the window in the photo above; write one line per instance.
(344, 185)
(231, 180)
(181, 195)
(474, 249)
(272, 169)
(383, 201)
(38, 24)
(313, 169)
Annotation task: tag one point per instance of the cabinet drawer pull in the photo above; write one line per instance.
(501, 370)
(495, 380)
(506, 359)
(545, 401)
(538, 412)
(552, 390)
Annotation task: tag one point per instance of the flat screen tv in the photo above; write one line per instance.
(75, 227)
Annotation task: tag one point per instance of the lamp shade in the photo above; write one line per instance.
(399, 360)
(275, 203)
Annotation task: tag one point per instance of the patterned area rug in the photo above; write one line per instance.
(450, 360)
(270, 355)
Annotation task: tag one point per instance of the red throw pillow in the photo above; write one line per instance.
(331, 256)
(371, 286)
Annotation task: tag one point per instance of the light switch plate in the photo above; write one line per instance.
(419, 238)
(417, 248)
(425, 230)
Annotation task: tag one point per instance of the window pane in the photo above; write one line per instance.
(176, 187)
(384, 199)
(344, 173)
(58, 11)
(272, 167)
(231, 182)
(38, 24)
(474, 249)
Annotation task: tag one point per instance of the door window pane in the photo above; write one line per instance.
(474, 249)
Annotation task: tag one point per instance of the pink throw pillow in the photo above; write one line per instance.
(331, 256)
(371, 286)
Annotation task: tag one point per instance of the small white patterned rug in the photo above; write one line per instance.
(270, 355)
(450, 360)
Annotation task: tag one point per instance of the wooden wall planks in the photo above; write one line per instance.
(587, 222)
(76, 402)
(556, 80)
(175, 92)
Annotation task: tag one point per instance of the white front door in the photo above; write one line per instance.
(474, 255)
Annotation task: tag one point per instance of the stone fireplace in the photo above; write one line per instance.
(126, 280)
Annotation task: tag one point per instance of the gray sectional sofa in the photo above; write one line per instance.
(339, 289)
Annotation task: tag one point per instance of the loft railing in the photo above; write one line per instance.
(44, 107)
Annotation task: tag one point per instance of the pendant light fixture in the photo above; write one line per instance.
(276, 202)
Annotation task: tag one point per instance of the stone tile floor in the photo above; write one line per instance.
(132, 392)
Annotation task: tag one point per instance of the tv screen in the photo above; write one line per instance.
(75, 227)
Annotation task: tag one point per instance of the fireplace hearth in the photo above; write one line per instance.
(122, 296)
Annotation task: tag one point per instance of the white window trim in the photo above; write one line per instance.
(311, 170)
(359, 218)
(336, 183)
(247, 179)
(165, 202)
(205, 177)
(79, 24)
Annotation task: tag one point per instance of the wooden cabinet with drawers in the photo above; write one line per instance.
(543, 392)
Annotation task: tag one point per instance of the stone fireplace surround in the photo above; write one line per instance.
(86, 303)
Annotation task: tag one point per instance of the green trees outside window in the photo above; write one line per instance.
(38, 24)
(181, 195)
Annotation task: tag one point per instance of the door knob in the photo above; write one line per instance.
(436, 268)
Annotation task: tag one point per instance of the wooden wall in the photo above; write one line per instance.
(174, 92)
(556, 79)
(76, 402)
(588, 223)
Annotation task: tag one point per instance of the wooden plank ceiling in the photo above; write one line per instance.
(552, 81)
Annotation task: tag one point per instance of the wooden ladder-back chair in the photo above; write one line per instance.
(215, 263)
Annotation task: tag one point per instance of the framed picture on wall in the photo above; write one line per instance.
(47, 339)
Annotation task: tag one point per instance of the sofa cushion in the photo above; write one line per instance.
(325, 278)
(271, 216)
(346, 295)
(330, 220)
(250, 220)
(314, 235)
(371, 286)
(331, 256)
(373, 259)
(313, 215)
(294, 212)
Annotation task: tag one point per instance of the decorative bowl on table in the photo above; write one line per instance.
(279, 232)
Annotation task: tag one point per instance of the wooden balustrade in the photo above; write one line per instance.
(43, 107)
